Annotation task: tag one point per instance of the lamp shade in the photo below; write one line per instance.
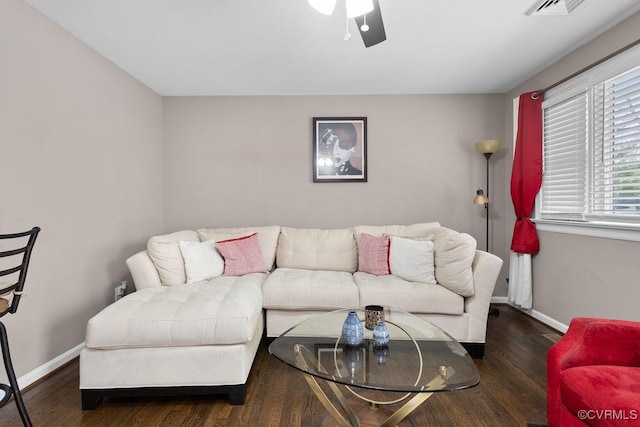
(323, 6)
(358, 7)
(480, 198)
(488, 146)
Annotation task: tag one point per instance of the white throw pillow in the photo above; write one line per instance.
(202, 261)
(412, 260)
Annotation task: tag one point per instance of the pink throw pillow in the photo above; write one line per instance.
(373, 254)
(242, 255)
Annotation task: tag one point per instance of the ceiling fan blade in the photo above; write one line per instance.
(376, 33)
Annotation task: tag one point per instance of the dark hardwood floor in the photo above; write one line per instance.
(512, 392)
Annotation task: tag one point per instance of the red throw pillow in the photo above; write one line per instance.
(242, 255)
(373, 254)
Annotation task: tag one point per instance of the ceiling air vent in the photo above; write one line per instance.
(553, 7)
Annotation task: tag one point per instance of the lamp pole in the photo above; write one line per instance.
(487, 147)
(486, 205)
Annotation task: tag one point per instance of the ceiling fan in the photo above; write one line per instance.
(366, 14)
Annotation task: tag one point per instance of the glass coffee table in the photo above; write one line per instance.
(419, 359)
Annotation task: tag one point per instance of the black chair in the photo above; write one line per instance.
(10, 294)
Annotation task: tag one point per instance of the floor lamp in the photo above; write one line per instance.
(487, 148)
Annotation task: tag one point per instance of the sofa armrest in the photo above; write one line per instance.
(594, 341)
(589, 341)
(143, 271)
(486, 268)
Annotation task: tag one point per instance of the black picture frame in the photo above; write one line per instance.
(339, 149)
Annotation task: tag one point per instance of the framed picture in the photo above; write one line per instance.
(339, 149)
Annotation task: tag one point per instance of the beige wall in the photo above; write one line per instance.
(247, 161)
(575, 275)
(80, 156)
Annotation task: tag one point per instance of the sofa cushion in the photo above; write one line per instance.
(267, 236)
(453, 256)
(373, 254)
(297, 289)
(413, 230)
(225, 310)
(602, 388)
(412, 260)
(315, 249)
(408, 296)
(202, 261)
(242, 255)
(166, 256)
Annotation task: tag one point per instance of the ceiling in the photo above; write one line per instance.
(285, 47)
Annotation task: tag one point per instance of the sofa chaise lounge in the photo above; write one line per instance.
(195, 321)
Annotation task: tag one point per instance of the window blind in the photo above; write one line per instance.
(563, 191)
(615, 179)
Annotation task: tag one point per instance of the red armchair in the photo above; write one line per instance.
(593, 375)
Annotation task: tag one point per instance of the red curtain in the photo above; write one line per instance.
(526, 175)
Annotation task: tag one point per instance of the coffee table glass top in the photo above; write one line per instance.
(420, 357)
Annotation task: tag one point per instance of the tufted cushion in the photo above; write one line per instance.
(315, 249)
(298, 289)
(166, 256)
(225, 310)
(601, 388)
(267, 236)
(412, 297)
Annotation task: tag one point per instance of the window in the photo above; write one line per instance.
(615, 187)
(591, 147)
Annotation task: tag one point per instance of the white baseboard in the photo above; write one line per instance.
(549, 321)
(39, 372)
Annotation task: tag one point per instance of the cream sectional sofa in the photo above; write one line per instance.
(176, 337)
